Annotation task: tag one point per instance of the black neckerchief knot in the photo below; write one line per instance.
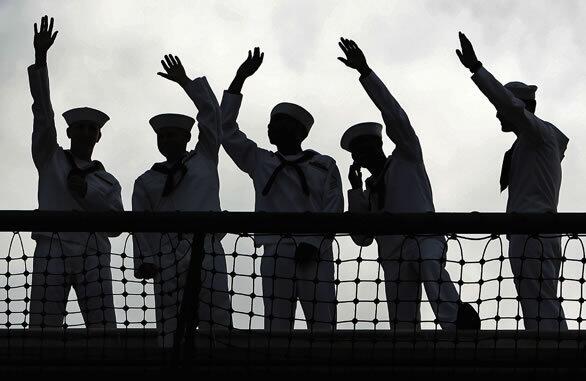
(295, 165)
(75, 171)
(175, 175)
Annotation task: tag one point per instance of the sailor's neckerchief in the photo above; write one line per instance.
(178, 168)
(376, 186)
(307, 155)
(93, 166)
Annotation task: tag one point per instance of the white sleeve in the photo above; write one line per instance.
(398, 126)
(510, 107)
(44, 140)
(358, 203)
(244, 152)
(209, 117)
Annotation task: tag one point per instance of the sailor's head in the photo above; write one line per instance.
(364, 141)
(173, 133)
(289, 124)
(85, 125)
(523, 92)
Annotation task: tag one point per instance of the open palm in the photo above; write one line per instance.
(251, 64)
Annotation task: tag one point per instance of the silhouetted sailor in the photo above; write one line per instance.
(289, 180)
(69, 180)
(532, 172)
(399, 184)
(186, 181)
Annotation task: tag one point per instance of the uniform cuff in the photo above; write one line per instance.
(231, 100)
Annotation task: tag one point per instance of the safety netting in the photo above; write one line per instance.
(213, 292)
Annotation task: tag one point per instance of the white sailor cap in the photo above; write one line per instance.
(360, 129)
(296, 112)
(522, 90)
(86, 114)
(172, 120)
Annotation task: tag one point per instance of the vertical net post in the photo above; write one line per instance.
(188, 317)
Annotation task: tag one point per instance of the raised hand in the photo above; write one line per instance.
(251, 64)
(354, 57)
(43, 39)
(355, 176)
(467, 55)
(248, 68)
(174, 70)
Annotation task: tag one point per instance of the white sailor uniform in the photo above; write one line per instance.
(532, 171)
(404, 187)
(69, 259)
(191, 184)
(304, 182)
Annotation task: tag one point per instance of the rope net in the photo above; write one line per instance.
(160, 298)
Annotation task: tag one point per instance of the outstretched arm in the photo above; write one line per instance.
(44, 139)
(398, 126)
(505, 102)
(209, 116)
(243, 151)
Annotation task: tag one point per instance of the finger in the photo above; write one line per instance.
(344, 61)
(249, 55)
(353, 44)
(36, 29)
(54, 36)
(51, 26)
(262, 56)
(164, 65)
(168, 60)
(178, 61)
(173, 62)
(462, 38)
(164, 75)
(459, 54)
(346, 43)
(341, 45)
(465, 41)
(256, 52)
(43, 25)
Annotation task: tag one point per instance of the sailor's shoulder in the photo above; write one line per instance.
(106, 177)
(323, 162)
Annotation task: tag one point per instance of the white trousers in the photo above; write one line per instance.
(214, 300)
(286, 280)
(536, 266)
(406, 267)
(58, 266)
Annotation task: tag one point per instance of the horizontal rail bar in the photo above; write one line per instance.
(298, 223)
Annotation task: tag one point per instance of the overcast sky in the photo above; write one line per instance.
(107, 54)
